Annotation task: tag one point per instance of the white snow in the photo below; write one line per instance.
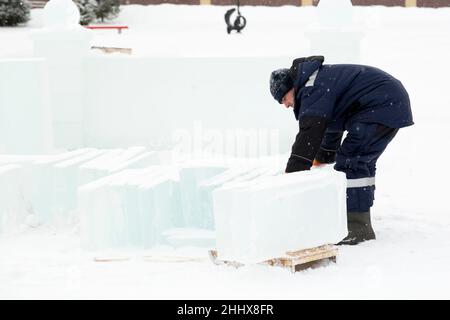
(411, 216)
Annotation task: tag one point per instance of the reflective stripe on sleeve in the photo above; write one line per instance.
(359, 183)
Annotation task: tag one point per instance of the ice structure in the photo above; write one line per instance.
(65, 176)
(129, 209)
(335, 35)
(65, 183)
(264, 218)
(39, 182)
(157, 205)
(49, 183)
(12, 206)
(206, 188)
(61, 14)
(147, 207)
(192, 202)
(63, 44)
(25, 116)
(116, 160)
(198, 179)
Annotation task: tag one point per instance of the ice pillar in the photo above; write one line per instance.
(335, 35)
(64, 44)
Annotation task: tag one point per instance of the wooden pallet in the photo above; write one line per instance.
(294, 260)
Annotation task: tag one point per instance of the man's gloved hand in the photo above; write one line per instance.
(317, 163)
(297, 61)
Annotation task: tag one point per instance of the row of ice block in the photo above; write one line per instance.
(49, 183)
(156, 205)
(126, 198)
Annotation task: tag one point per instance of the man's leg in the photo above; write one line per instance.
(357, 157)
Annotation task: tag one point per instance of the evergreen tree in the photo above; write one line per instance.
(13, 12)
(107, 9)
(87, 10)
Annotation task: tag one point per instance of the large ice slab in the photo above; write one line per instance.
(129, 209)
(65, 184)
(233, 175)
(263, 218)
(194, 203)
(39, 182)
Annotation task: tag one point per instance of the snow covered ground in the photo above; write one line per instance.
(409, 259)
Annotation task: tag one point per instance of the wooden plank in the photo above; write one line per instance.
(111, 259)
(205, 2)
(306, 2)
(410, 3)
(294, 260)
(113, 50)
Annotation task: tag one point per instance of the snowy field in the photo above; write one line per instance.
(409, 259)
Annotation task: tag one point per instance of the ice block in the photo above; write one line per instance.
(264, 218)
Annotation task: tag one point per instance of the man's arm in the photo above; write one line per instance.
(307, 144)
(330, 143)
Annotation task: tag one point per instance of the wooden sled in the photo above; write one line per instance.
(294, 260)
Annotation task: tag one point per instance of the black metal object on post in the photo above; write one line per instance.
(239, 22)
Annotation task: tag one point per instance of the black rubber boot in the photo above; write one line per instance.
(359, 228)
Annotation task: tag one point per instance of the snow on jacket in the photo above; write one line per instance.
(330, 98)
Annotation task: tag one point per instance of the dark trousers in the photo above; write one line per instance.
(357, 157)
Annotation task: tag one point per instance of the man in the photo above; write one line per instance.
(368, 103)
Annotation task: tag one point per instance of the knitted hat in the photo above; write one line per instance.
(280, 83)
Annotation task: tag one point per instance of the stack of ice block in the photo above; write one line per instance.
(129, 209)
(39, 177)
(65, 183)
(158, 204)
(266, 217)
(115, 160)
(50, 182)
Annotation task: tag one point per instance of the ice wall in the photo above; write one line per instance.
(25, 115)
(197, 105)
(166, 103)
(264, 218)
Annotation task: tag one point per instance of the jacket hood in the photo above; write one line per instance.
(304, 71)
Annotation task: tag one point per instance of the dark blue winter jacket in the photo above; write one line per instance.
(330, 98)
